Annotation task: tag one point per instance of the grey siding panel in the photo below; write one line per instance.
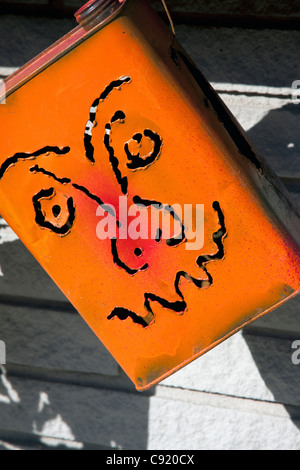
(53, 339)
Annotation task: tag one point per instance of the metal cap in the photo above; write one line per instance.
(98, 8)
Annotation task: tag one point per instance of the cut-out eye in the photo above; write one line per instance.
(55, 212)
(143, 149)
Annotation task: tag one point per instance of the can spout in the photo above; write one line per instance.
(100, 9)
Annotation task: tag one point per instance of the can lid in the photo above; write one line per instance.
(94, 8)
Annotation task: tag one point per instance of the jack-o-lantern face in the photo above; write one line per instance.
(56, 211)
(117, 174)
(93, 207)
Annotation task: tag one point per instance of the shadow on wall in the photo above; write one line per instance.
(277, 138)
(274, 363)
(38, 414)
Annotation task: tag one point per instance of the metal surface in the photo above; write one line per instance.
(120, 123)
(98, 9)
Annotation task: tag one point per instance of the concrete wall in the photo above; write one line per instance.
(59, 387)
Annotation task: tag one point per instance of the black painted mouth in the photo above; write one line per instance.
(124, 313)
(180, 305)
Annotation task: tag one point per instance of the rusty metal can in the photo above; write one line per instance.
(134, 187)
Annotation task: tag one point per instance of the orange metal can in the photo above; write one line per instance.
(134, 187)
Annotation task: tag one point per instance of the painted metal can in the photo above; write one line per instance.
(128, 179)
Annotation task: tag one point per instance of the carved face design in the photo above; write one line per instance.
(157, 263)
(79, 150)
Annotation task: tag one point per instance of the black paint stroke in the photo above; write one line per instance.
(123, 313)
(158, 235)
(24, 156)
(136, 161)
(40, 216)
(119, 116)
(95, 198)
(123, 182)
(200, 283)
(180, 306)
(89, 148)
(217, 238)
(120, 263)
(146, 202)
(37, 169)
(174, 241)
(177, 240)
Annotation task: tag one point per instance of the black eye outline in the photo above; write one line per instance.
(135, 161)
(40, 217)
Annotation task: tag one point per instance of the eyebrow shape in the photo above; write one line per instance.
(119, 116)
(89, 148)
(28, 156)
(83, 189)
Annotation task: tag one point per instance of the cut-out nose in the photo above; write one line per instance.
(138, 252)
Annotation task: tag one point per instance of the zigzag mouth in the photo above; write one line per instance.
(179, 306)
(122, 313)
